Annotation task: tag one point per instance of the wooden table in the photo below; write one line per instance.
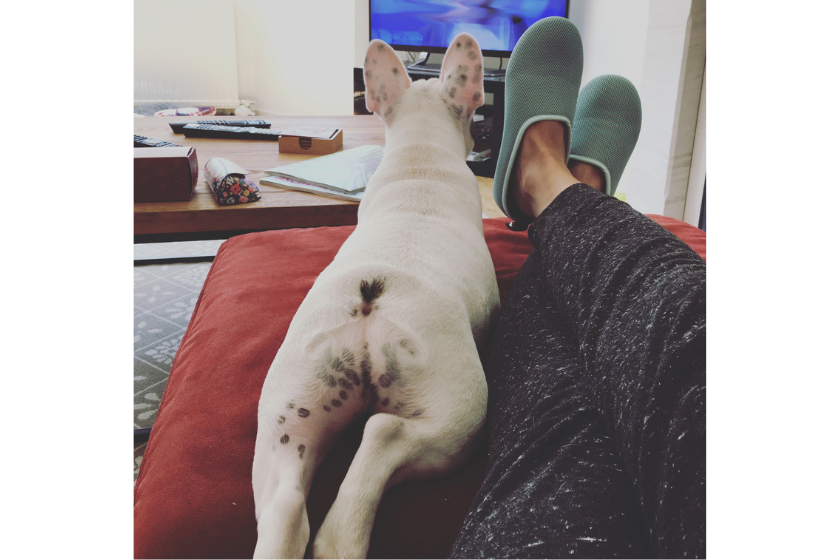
(203, 218)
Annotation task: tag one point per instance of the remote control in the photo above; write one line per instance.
(178, 127)
(144, 142)
(234, 132)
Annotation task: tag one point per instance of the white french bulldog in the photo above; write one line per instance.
(391, 326)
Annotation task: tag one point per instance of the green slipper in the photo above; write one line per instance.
(607, 124)
(541, 83)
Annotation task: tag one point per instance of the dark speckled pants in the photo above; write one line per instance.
(597, 373)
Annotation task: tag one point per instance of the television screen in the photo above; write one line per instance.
(430, 25)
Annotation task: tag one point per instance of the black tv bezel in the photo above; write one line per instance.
(415, 48)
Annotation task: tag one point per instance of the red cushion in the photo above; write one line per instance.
(193, 496)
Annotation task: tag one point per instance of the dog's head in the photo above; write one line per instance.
(453, 98)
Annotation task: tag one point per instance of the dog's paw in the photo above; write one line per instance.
(340, 540)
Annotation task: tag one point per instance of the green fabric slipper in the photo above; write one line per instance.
(541, 83)
(607, 124)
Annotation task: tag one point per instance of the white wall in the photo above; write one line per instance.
(614, 34)
(176, 60)
(656, 177)
(296, 56)
(290, 57)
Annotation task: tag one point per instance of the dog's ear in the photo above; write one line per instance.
(385, 79)
(462, 77)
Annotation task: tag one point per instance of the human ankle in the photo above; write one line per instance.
(590, 174)
(540, 168)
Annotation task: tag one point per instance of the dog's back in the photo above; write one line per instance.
(390, 327)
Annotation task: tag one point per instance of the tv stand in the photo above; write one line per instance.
(423, 67)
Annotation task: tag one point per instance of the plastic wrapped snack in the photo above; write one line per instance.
(228, 182)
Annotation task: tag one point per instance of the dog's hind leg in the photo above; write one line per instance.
(305, 405)
(393, 449)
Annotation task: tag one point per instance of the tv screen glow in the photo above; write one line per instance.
(432, 24)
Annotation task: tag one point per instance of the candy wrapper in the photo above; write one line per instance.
(228, 182)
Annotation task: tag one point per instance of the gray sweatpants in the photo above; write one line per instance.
(597, 375)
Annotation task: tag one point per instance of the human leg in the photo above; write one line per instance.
(634, 296)
(555, 486)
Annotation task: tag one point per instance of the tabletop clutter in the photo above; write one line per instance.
(167, 172)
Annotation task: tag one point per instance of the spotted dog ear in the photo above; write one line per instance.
(385, 79)
(462, 77)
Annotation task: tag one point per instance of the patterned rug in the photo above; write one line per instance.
(164, 298)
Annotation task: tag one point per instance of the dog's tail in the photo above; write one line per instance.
(369, 290)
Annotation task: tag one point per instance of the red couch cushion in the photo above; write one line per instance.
(193, 496)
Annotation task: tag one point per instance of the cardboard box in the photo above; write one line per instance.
(297, 141)
(165, 174)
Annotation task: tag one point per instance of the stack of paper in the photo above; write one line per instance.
(342, 175)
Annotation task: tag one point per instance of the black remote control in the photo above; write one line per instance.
(237, 133)
(178, 127)
(144, 142)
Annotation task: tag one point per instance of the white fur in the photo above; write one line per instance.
(420, 233)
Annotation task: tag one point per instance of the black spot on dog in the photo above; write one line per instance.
(342, 367)
(395, 71)
(285, 439)
(461, 69)
(462, 80)
(290, 405)
(328, 409)
(354, 377)
(452, 93)
(373, 289)
(471, 55)
(380, 47)
(458, 45)
(303, 413)
(385, 96)
(347, 356)
(326, 378)
(343, 394)
(336, 403)
(345, 383)
(281, 419)
(385, 401)
(368, 74)
(354, 312)
(469, 43)
(417, 413)
(457, 111)
(301, 449)
(392, 367)
(389, 110)
(476, 96)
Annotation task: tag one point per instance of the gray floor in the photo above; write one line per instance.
(164, 298)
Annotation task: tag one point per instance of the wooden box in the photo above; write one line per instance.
(307, 140)
(165, 174)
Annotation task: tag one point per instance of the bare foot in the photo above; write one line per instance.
(540, 170)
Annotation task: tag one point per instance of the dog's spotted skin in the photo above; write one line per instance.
(390, 330)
